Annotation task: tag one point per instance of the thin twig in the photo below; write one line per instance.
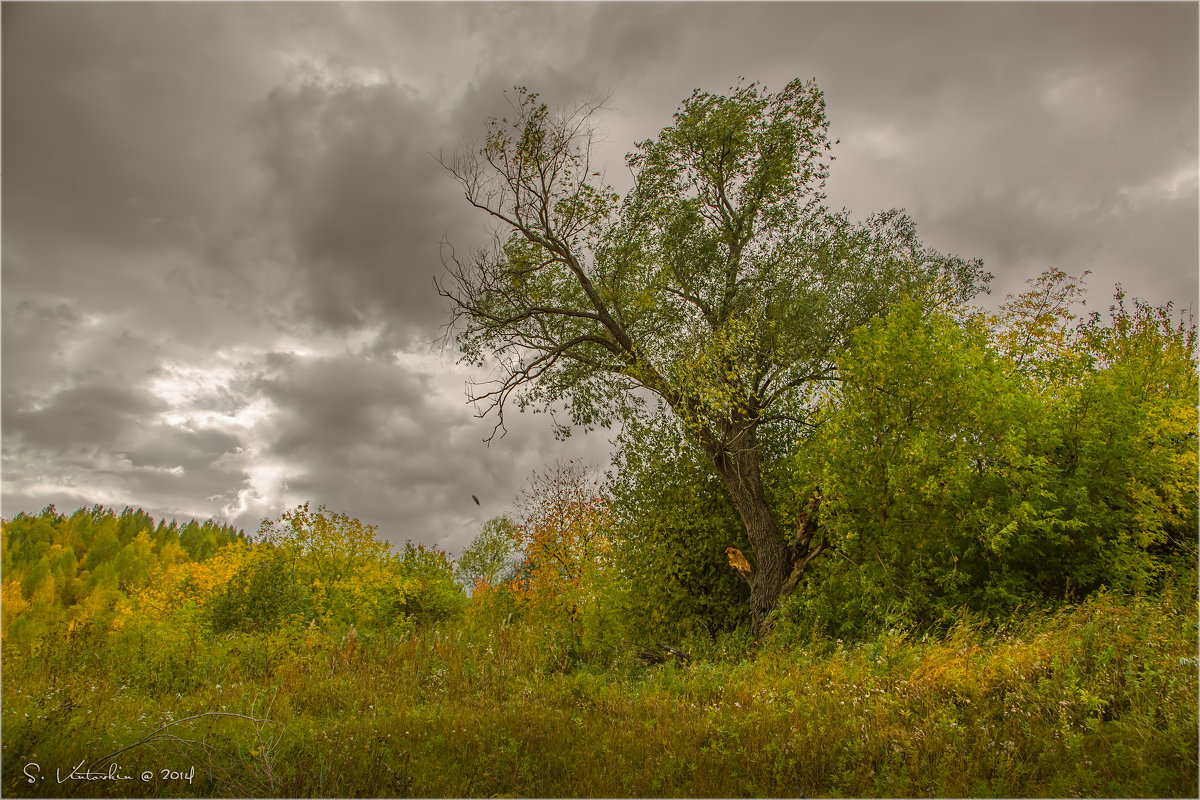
(157, 736)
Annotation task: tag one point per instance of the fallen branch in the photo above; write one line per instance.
(662, 652)
(265, 746)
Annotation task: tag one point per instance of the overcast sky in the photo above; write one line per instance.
(221, 221)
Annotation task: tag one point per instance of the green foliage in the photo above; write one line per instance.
(264, 593)
(721, 284)
(327, 544)
(1097, 699)
(75, 571)
(432, 593)
(987, 468)
(1129, 451)
(490, 554)
(756, 283)
(923, 458)
(201, 541)
(673, 522)
(330, 569)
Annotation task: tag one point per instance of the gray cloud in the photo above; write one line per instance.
(393, 444)
(362, 198)
(1021, 123)
(85, 88)
(84, 416)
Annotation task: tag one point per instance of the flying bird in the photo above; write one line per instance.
(476, 499)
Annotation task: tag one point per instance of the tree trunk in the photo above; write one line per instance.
(739, 468)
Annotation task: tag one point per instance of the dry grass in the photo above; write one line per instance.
(1097, 700)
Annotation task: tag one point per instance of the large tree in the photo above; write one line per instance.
(721, 283)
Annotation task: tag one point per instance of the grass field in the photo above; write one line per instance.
(1096, 700)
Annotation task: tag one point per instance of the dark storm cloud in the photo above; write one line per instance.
(84, 416)
(221, 221)
(330, 406)
(167, 447)
(32, 331)
(362, 197)
(85, 88)
(1009, 131)
(352, 154)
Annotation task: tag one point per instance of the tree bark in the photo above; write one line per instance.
(739, 467)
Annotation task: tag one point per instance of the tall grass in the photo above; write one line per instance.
(1095, 700)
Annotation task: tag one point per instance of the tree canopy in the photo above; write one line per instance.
(721, 283)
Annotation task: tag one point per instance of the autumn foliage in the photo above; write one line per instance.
(563, 530)
(1006, 605)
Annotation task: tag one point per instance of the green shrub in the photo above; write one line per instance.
(434, 595)
(262, 594)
